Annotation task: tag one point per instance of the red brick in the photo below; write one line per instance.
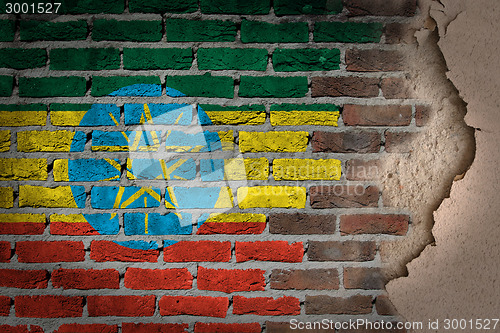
(40, 251)
(322, 304)
(156, 328)
(227, 328)
(87, 328)
(374, 224)
(345, 86)
(269, 251)
(301, 224)
(266, 306)
(231, 228)
(384, 306)
(363, 278)
(363, 170)
(48, 306)
(122, 306)
(230, 280)
(344, 196)
(101, 251)
(380, 7)
(399, 33)
(346, 142)
(186, 251)
(316, 279)
(151, 279)
(20, 228)
(5, 251)
(422, 115)
(373, 60)
(68, 229)
(5, 302)
(400, 142)
(377, 115)
(24, 279)
(396, 88)
(20, 329)
(194, 306)
(86, 279)
(341, 251)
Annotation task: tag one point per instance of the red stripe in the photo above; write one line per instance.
(22, 228)
(232, 228)
(67, 228)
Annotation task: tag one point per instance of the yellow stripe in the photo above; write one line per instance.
(19, 218)
(50, 141)
(66, 118)
(294, 118)
(71, 218)
(23, 118)
(170, 191)
(118, 198)
(178, 118)
(110, 178)
(61, 173)
(137, 139)
(148, 114)
(173, 167)
(236, 217)
(110, 148)
(152, 193)
(225, 199)
(132, 198)
(114, 164)
(237, 117)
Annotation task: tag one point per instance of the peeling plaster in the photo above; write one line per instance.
(458, 275)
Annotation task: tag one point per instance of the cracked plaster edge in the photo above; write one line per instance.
(436, 19)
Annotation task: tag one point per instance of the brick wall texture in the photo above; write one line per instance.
(200, 166)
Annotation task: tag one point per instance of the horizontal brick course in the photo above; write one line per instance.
(263, 32)
(194, 306)
(44, 252)
(374, 224)
(122, 306)
(132, 31)
(377, 115)
(301, 224)
(341, 251)
(316, 279)
(48, 306)
(85, 279)
(292, 60)
(85, 59)
(150, 279)
(269, 251)
(51, 31)
(346, 142)
(66, 86)
(323, 304)
(24, 279)
(22, 58)
(373, 60)
(182, 30)
(230, 280)
(345, 86)
(343, 196)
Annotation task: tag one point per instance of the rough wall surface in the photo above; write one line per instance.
(315, 117)
(463, 263)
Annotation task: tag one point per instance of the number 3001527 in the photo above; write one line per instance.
(32, 8)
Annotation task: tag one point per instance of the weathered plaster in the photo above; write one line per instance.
(458, 276)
